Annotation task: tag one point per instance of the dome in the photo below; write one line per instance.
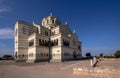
(50, 21)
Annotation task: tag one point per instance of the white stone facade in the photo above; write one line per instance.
(50, 41)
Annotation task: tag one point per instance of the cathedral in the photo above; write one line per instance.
(50, 41)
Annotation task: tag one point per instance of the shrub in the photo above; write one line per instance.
(88, 55)
(101, 55)
(117, 54)
(109, 56)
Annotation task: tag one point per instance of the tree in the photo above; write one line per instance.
(117, 54)
(101, 55)
(7, 57)
(88, 55)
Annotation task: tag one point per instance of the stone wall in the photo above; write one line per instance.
(97, 72)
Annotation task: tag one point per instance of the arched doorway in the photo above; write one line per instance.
(74, 54)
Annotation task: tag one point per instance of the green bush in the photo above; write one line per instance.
(101, 55)
(88, 55)
(117, 54)
(109, 56)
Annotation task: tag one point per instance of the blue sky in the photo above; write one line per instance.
(96, 22)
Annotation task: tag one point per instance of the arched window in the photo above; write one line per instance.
(31, 43)
(66, 43)
(46, 33)
(43, 42)
(37, 30)
(52, 21)
(57, 42)
(40, 42)
(79, 47)
(74, 54)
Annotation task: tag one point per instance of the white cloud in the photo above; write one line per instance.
(6, 33)
(3, 9)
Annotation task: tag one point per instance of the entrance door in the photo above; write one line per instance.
(74, 54)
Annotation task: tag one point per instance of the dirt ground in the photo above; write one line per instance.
(9, 69)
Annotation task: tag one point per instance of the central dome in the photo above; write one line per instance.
(50, 21)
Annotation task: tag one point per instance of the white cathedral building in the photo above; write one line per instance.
(50, 41)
